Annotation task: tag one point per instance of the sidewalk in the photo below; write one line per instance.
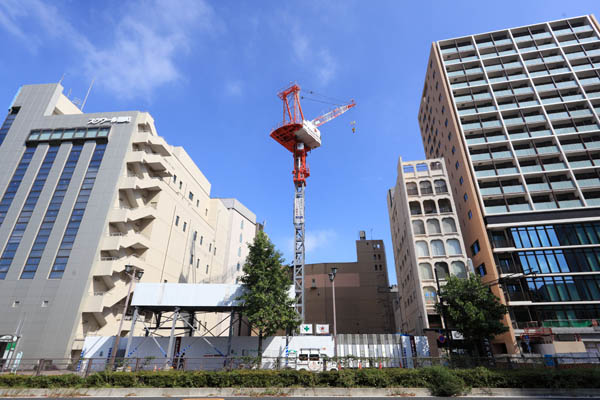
(287, 392)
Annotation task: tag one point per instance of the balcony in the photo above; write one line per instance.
(538, 187)
(495, 209)
(570, 203)
(131, 240)
(156, 143)
(545, 205)
(594, 182)
(155, 162)
(131, 214)
(561, 185)
(519, 207)
(567, 323)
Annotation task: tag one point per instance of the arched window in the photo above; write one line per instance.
(440, 186)
(418, 227)
(445, 206)
(441, 268)
(436, 165)
(425, 187)
(411, 189)
(458, 269)
(415, 208)
(430, 295)
(426, 271)
(422, 248)
(454, 247)
(449, 225)
(437, 248)
(429, 207)
(433, 226)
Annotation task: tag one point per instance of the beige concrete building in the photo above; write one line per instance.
(515, 115)
(363, 297)
(427, 241)
(83, 196)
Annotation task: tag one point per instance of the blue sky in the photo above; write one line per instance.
(209, 72)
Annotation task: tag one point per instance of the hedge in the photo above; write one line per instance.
(437, 378)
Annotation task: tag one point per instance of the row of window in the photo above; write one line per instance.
(429, 207)
(426, 188)
(457, 268)
(68, 134)
(551, 261)
(556, 288)
(433, 226)
(8, 123)
(547, 236)
(522, 315)
(39, 244)
(16, 235)
(15, 182)
(437, 248)
(66, 244)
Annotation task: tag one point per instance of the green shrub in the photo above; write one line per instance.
(444, 382)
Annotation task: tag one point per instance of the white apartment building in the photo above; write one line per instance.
(426, 240)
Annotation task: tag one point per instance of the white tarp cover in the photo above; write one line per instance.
(192, 295)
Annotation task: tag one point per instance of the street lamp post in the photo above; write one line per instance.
(332, 279)
(135, 274)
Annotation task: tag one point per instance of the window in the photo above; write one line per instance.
(415, 208)
(422, 248)
(418, 227)
(461, 180)
(191, 196)
(440, 186)
(453, 149)
(411, 189)
(180, 184)
(238, 267)
(443, 109)
(480, 270)
(242, 225)
(177, 220)
(239, 251)
(454, 247)
(184, 226)
(429, 207)
(433, 226)
(470, 214)
(475, 248)
(449, 225)
(466, 197)
(206, 211)
(174, 178)
(206, 268)
(209, 247)
(458, 269)
(445, 206)
(201, 240)
(430, 295)
(437, 248)
(441, 269)
(425, 271)
(457, 165)
(425, 187)
(446, 123)
(197, 203)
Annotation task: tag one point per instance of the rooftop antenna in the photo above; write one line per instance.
(371, 233)
(87, 94)
(62, 77)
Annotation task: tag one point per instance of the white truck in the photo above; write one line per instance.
(314, 360)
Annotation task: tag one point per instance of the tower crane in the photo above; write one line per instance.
(300, 136)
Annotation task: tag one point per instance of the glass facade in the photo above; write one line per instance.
(16, 235)
(66, 244)
(7, 124)
(70, 134)
(39, 244)
(15, 182)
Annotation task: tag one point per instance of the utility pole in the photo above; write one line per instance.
(135, 274)
(332, 279)
(444, 320)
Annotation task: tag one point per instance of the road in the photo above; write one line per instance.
(286, 398)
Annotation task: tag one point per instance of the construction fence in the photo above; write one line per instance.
(84, 367)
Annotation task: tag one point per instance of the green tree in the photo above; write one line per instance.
(471, 309)
(267, 304)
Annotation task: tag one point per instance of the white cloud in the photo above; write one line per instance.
(234, 88)
(310, 54)
(315, 240)
(142, 47)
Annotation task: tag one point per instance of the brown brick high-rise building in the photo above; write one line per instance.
(364, 301)
(515, 115)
